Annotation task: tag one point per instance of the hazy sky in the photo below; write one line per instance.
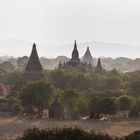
(62, 21)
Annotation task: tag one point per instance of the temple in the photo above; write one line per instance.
(33, 72)
(86, 64)
(75, 62)
(87, 58)
(99, 68)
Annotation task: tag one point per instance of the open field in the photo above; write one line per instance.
(13, 126)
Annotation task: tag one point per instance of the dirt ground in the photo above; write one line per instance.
(11, 127)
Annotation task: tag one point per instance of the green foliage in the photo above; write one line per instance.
(11, 77)
(124, 103)
(83, 105)
(82, 92)
(104, 105)
(37, 94)
(134, 87)
(22, 62)
(94, 107)
(15, 105)
(135, 108)
(64, 78)
(7, 65)
(98, 82)
(108, 106)
(69, 99)
(70, 79)
(113, 82)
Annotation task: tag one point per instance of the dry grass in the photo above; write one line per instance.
(13, 126)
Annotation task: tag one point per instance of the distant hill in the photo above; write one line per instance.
(18, 47)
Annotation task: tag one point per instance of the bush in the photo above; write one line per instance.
(134, 136)
(75, 133)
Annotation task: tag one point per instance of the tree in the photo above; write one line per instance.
(70, 78)
(98, 82)
(108, 106)
(15, 105)
(69, 99)
(134, 87)
(124, 103)
(8, 66)
(135, 108)
(37, 95)
(83, 105)
(113, 82)
(22, 61)
(11, 77)
(94, 107)
(81, 81)
(58, 78)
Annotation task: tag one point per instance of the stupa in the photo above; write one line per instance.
(33, 72)
(87, 58)
(99, 68)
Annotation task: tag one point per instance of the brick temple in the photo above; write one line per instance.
(33, 72)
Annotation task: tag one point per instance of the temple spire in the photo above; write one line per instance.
(33, 63)
(99, 68)
(75, 54)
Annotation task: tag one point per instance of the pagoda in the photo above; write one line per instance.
(87, 58)
(33, 72)
(85, 65)
(99, 68)
(74, 61)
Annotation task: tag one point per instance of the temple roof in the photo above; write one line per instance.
(87, 58)
(33, 63)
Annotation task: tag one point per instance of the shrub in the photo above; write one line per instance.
(134, 136)
(71, 133)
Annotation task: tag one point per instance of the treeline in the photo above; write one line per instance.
(71, 94)
(109, 81)
(112, 82)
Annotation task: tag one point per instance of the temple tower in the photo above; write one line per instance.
(99, 68)
(33, 72)
(75, 53)
(33, 63)
(87, 58)
(74, 61)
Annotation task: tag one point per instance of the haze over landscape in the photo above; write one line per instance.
(106, 26)
(70, 69)
(97, 48)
